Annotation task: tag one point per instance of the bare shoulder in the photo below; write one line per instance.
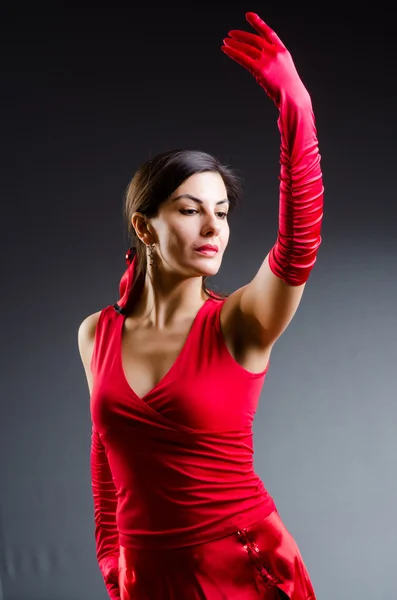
(86, 334)
(86, 338)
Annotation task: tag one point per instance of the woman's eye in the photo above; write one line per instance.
(188, 211)
(192, 211)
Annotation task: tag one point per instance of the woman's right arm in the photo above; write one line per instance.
(103, 488)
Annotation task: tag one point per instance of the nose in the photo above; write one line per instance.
(211, 226)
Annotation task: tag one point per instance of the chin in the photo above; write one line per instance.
(210, 271)
(204, 267)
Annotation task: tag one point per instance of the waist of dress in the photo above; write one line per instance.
(196, 525)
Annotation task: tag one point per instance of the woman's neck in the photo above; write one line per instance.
(163, 302)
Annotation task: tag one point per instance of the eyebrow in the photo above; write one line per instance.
(198, 199)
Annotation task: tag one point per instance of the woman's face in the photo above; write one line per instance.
(195, 215)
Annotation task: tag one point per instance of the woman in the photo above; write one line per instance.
(175, 372)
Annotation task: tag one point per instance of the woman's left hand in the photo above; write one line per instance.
(267, 59)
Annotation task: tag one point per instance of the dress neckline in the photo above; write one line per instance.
(174, 364)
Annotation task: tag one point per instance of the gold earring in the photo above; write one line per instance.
(152, 259)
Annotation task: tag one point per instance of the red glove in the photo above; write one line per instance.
(301, 186)
(105, 504)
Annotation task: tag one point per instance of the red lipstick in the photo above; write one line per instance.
(208, 249)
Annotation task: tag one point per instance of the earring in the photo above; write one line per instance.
(152, 256)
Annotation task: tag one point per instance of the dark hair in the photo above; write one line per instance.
(157, 178)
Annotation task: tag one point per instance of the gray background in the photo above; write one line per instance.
(88, 97)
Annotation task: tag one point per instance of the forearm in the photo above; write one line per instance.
(301, 187)
(105, 506)
(301, 191)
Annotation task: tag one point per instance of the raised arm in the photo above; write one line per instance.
(271, 299)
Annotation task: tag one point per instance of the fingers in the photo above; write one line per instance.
(246, 48)
(261, 27)
(248, 38)
(239, 57)
(242, 47)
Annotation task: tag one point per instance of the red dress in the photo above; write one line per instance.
(193, 519)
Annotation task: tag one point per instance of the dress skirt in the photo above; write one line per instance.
(259, 562)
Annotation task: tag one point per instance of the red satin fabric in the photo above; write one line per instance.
(294, 254)
(261, 562)
(179, 467)
(301, 186)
